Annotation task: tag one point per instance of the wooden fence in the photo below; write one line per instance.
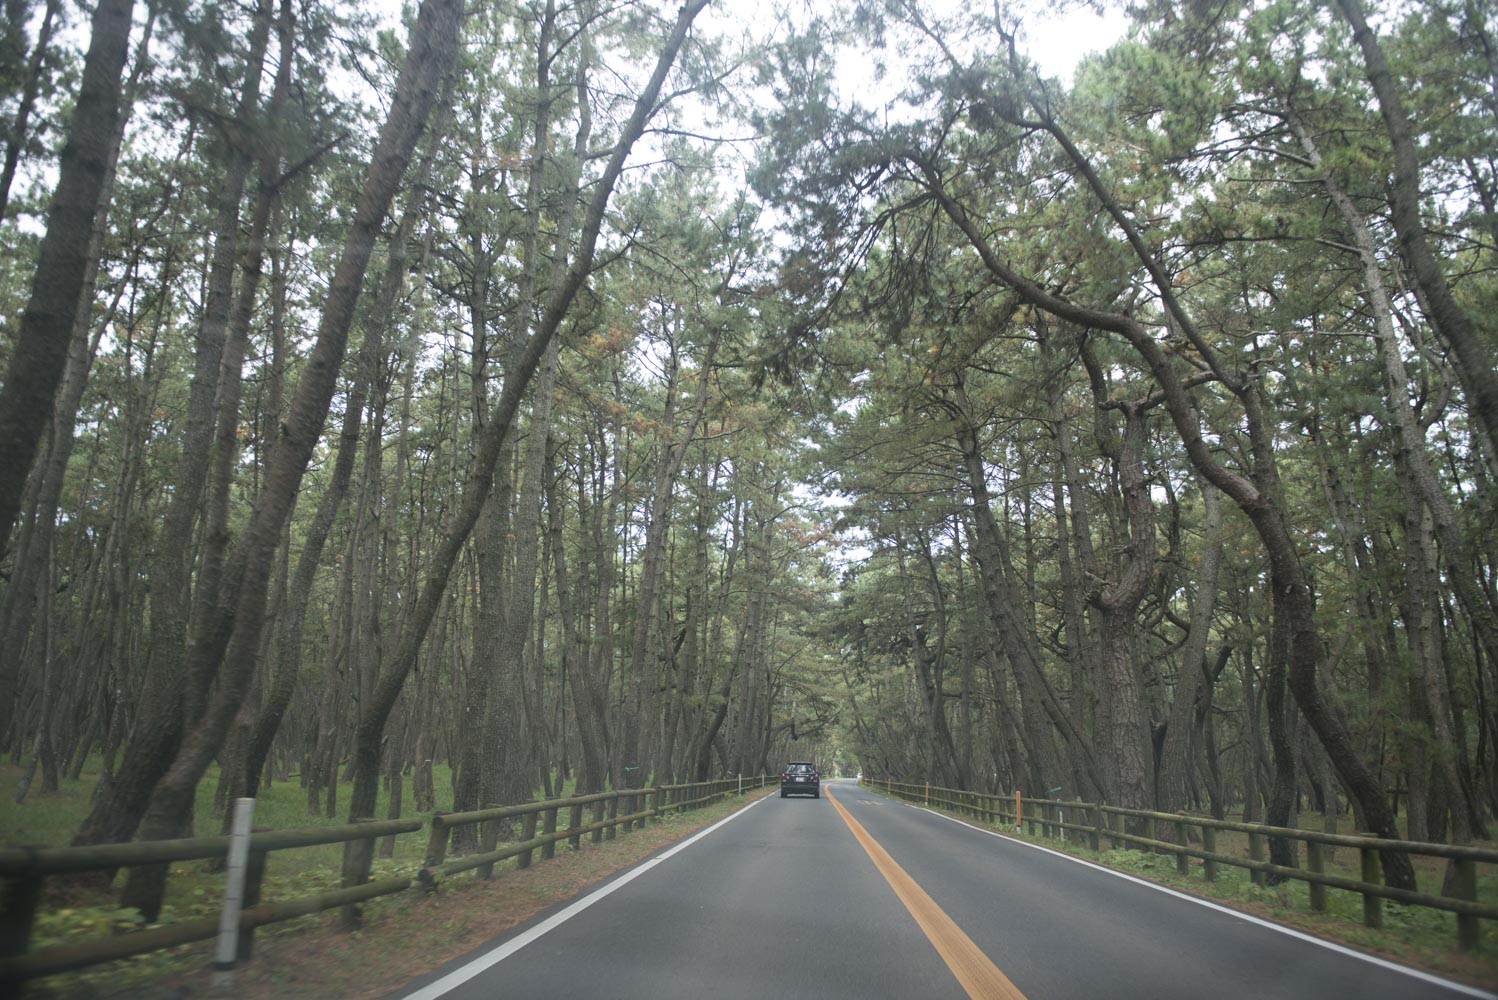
(23, 870)
(1091, 823)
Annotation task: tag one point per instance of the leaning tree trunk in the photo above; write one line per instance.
(40, 352)
(1172, 791)
(1295, 597)
(1425, 498)
(262, 725)
(644, 653)
(121, 798)
(19, 132)
(1472, 359)
(232, 629)
(34, 542)
(1019, 647)
(497, 431)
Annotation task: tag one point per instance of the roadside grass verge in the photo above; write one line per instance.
(403, 935)
(1414, 935)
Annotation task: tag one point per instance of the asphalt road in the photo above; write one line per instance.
(784, 900)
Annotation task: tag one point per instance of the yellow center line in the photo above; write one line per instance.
(979, 977)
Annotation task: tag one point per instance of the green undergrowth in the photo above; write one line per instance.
(76, 911)
(1415, 935)
(51, 820)
(389, 924)
(195, 891)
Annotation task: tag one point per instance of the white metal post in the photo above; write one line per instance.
(228, 920)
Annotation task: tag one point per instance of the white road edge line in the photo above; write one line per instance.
(488, 960)
(1383, 963)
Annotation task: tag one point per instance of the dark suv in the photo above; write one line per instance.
(800, 778)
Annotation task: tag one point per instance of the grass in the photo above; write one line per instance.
(1414, 935)
(398, 930)
(51, 820)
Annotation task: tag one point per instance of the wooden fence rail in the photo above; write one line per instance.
(1093, 822)
(24, 869)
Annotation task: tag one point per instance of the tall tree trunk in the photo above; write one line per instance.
(264, 723)
(1472, 360)
(525, 524)
(34, 543)
(644, 657)
(1294, 596)
(1172, 790)
(169, 699)
(1073, 531)
(929, 666)
(48, 322)
(592, 773)
(497, 430)
(19, 132)
(1425, 499)
(230, 637)
(1037, 701)
(1127, 743)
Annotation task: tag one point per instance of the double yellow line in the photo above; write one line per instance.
(979, 977)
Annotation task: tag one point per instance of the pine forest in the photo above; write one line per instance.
(446, 407)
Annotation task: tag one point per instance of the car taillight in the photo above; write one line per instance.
(785, 777)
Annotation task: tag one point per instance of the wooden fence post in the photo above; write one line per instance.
(613, 810)
(527, 832)
(1183, 862)
(1316, 863)
(19, 898)
(488, 840)
(575, 820)
(254, 878)
(1464, 886)
(1256, 853)
(1209, 844)
(1373, 906)
(548, 827)
(597, 819)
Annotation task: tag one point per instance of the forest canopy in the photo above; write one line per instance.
(526, 395)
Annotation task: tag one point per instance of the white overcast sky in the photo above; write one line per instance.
(1059, 41)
